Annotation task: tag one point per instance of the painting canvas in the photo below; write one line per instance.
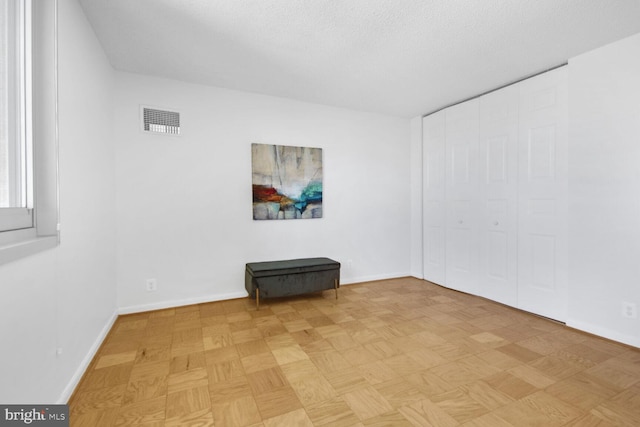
(287, 182)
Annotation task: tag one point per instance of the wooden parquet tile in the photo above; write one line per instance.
(367, 403)
(388, 353)
(116, 359)
(277, 402)
(333, 412)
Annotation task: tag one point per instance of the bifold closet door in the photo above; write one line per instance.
(433, 144)
(542, 195)
(498, 190)
(461, 193)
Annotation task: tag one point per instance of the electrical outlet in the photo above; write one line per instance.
(629, 310)
(152, 285)
(349, 264)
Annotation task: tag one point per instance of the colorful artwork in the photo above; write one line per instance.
(287, 182)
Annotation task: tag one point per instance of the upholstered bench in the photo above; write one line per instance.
(291, 277)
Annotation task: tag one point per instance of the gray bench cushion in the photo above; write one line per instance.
(291, 277)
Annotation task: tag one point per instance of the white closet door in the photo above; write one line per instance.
(542, 194)
(461, 191)
(498, 172)
(433, 143)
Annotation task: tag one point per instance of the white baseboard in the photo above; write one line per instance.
(362, 279)
(240, 294)
(604, 332)
(417, 274)
(75, 379)
(179, 303)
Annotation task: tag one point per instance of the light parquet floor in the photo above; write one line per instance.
(399, 352)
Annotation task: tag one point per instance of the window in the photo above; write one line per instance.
(15, 116)
(28, 128)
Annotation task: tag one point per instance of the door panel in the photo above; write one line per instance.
(460, 261)
(461, 189)
(498, 194)
(497, 156)
(435, 246)
(543, 255)
(433, 143)
(542, 227)
(498, 255)
(541, 153)
(460, 165)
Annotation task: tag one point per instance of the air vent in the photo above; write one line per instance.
(161, 121)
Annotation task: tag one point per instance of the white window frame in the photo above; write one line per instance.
(35, 227)
(20, 215)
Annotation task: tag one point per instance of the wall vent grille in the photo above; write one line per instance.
(161, 121)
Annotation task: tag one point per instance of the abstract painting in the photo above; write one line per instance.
(287, 182)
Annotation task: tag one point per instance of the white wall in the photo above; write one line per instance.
(184, 203)
(604, 189)
(65, 297)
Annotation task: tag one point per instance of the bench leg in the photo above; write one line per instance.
(335, 282)
(257, 299)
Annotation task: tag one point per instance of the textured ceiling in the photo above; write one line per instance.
(398, 57)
